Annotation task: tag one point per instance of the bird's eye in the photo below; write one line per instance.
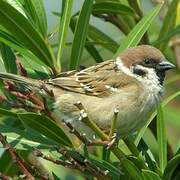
(147, 61)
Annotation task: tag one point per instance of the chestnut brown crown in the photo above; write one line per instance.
(139, 54)
(147, 57)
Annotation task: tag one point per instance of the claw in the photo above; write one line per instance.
(113, 141)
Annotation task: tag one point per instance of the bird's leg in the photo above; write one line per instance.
(112, 137)
(106, 140)
(112, 133)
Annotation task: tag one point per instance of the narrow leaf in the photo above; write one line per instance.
(161, 138)
(17, 5)
(164, 103)
(150, 175)
(105, 165)
(46, 127)
(132, 170)
(171, 166)
(4, 112)
(168, 22)
(9, 58)
(100, 37)
(55, 176)
(169, 35)
(93, 52)
(63, 29)
(7, 165)
(112, 7)
(22, 139)
(38, 15)
(80, 34)
(25, 33)
(13, 43)
(139, 30)
(89, 47)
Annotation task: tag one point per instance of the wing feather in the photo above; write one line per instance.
(99, 80)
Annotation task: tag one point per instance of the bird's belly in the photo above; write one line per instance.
(133, 112)
(132, 115)
(136, 118)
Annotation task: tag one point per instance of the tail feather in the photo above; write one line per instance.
(21, 79)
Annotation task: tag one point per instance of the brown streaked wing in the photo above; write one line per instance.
(98, 80)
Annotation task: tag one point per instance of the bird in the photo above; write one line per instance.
(131, 84)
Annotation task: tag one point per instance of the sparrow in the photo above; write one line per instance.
(131, 83)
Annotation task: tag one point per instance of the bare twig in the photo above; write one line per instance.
(16, 158)
(77, 134)
(36, 100)
(38, 153)
(85, 164)
(73, 163)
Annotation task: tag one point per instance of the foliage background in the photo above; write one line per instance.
(163, 27)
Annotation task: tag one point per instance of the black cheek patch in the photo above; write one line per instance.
(139, 72)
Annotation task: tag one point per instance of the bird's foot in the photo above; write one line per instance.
(109, 143)
(112, 141)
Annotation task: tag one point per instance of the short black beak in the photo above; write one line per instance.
(164, 66)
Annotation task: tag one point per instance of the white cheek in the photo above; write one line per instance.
(150, 82)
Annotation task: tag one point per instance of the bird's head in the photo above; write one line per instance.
(144, 61)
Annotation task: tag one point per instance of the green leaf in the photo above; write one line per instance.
(4, 112)
(100, 37)
(151, 163)
(7, 166)
(171, 166)
(80, 34)
(46, 127)
(136, 161)
(9, 58)
(161, 139)
(96, 163)
(5, 36)
(112, 7)
(106, 154)
(104, 165)
(93, 52)
(132, 170)
(63, 29)
(13, 43)
(17, 5)
(55, 176)
(38, 15)
(166, 37)
(143, 147)
(171, 115)
(19, 138)
(165, 102)
(138, 31)
(89, 47)
(150, 175)
(25, 139)
(25, 33)
(168, 22)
